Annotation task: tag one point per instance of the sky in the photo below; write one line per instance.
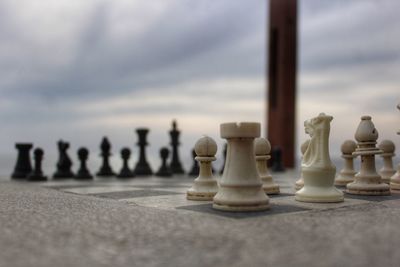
(80, 70)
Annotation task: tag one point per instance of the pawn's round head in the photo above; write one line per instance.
(164, 153)
(125, 153)
(38, 153)
(262, 146)
(205, 147)
(348, 147)
(83, 153)
(387, 146)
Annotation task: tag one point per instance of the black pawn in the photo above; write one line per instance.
(105, 169)
(64, 163)
(164, 170)
(83, 172)
(175, 165)
(125, 171)
(37, 173)
(23, 166)
(142, 166)
(277, 164)
(195, 168)
(224, 155)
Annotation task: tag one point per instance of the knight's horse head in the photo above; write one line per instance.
(317, 123)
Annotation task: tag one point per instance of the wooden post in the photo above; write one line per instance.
(282, 77)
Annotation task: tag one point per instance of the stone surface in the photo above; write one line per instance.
(44, 227)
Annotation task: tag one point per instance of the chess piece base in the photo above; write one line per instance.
(202, 190)
(36, 178)
(321, 188)
(380, 189)
(342, 182)
(318, 195)
(271, 189)
(394, 186)
(58, 175)
(83, 177)
(395, 181)
(247, 198)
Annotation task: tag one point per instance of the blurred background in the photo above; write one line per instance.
(80, 70)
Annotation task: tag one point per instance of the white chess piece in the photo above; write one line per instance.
(346, 175)
(387, 170)
(367, 181)
(317, 168)
(240, 188)
(205, 186)
(395, 179)
(300, 183)
(262, 149)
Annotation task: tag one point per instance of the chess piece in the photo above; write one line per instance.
(142, 166)
(37, 173)
(164, 170)
(395, 179)
(240, 188)
(277, 164)
(317, 168)
(387, 170)
(367, 181)
(205, 186)
(262, 148)
(224, 155)
(346, 175)
(83, 172)
(175, 165)
(195, 168)
(105, 169)
(23, 166)
(64, 163)
(300, 183)
(125, 171)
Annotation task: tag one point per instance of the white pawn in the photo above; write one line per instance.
(262, 149)
(387, 170)
(240, 187)
(367, 181)
(346, 175)
(317, 168)
(395, 179)
(205, 186)
(300, 183)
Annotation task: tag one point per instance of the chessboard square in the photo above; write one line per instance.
(137, 193)
(275, 209)
(86, 190)
(393, 196)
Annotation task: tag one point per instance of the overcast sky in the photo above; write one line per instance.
(79, 70)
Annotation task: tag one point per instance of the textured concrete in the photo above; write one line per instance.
(46, 227)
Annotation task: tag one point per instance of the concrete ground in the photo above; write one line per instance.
(46, 227)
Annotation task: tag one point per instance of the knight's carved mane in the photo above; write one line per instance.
(317, 153)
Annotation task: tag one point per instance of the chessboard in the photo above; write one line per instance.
(170, 194)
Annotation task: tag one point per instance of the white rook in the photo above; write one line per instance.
(240, 186)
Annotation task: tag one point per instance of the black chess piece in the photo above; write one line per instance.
(64, 163)
(175, 165)
(83, 172)
(125, 171)
(105, 169)
(23, 166)
(37, 173)
(164, 170)
(195, 168)
(277, 164)
(224, 155)
(142, 166)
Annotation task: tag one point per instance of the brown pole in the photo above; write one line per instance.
(281, 96)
